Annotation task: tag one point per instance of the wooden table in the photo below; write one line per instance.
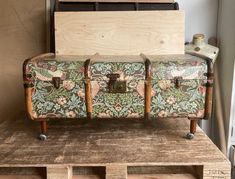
(119, 148)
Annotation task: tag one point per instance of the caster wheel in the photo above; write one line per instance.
(190, 136)
(42, 137)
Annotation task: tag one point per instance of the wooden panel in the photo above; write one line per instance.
(145, 1)
(116, 172)
(59, 172)
(119, 33)
(216, 171)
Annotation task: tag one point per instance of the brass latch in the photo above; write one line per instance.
(178, 81)
(56, 81)
(114, 85)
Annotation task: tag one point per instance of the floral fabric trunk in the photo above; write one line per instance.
(118, 105)
(68, 100)
(188, 100)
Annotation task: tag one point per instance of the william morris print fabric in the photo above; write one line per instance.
(48, 102)
(68, 101)
(189, 98)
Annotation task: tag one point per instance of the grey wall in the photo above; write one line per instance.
(226, 35)
(200, 17)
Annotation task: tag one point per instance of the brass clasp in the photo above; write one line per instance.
(177, 81)
(56, 81)
(115, 86)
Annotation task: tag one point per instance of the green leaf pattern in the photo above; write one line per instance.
(66, 102)
(167, 101)
(118, 105)
(189, 99)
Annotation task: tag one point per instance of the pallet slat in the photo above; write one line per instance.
(116, 172)
(144, 1)
(59, 172)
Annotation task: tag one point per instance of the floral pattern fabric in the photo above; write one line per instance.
(185, 66)
(187, 100)
(68, 101)
(48, 102)
(118, 105)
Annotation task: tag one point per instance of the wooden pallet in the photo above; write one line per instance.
(125, 1)
(119, 148)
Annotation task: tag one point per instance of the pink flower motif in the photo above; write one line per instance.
(34, 114)
(133, 115)
(82, 69)
(162, 113)
(128, 78)
(81, 94)
(140, 88)
(69, 85)
(95, 88)
(53, 68)
(171, 100)
(202, 89)
(104, 115)
(164, 84)
(63, 76)
(61, 101)
(45, 66)
(71, 114)
(195, 63)
(153, 93)
(200, 113)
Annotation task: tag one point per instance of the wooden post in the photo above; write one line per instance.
(116, 172)
(44, 127)
(59, 172)
(148, 87)
(193, 126)
(88, 90)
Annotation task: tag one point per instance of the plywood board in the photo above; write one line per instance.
(119, 33)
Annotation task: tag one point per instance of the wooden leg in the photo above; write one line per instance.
(44, 127)
(193, 126)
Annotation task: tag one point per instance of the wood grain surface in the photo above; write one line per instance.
(104, 143)
(101, 142)
(119, 33)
